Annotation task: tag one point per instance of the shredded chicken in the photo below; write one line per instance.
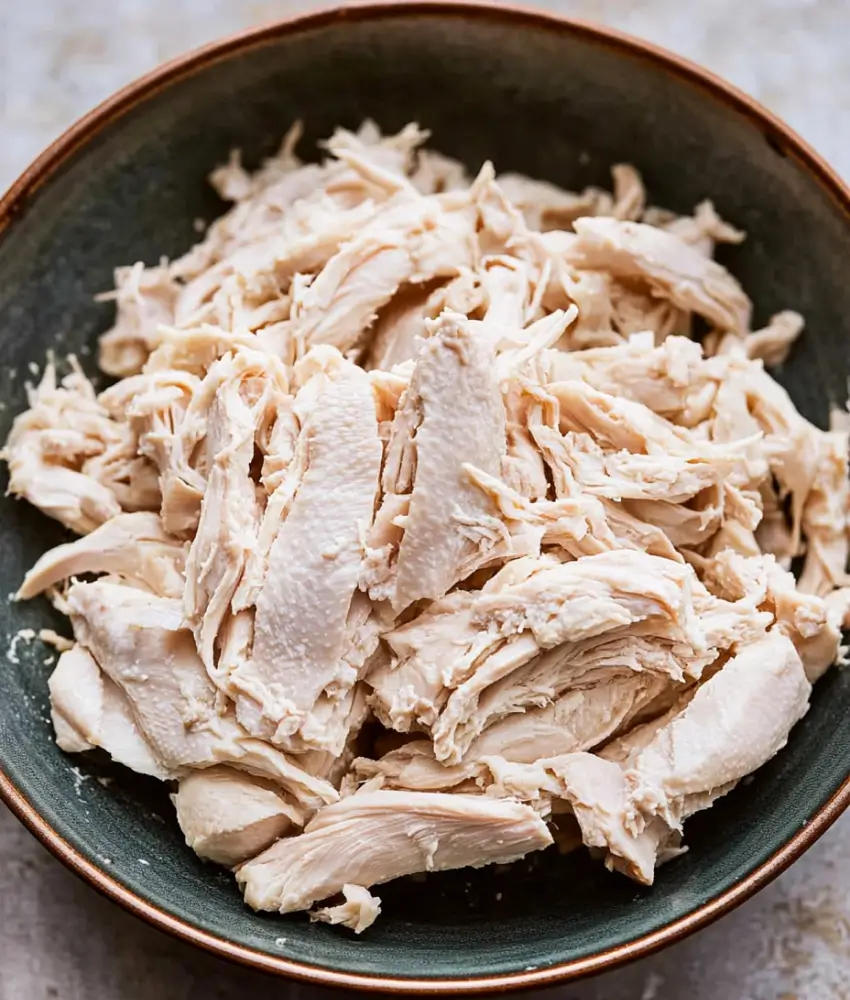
(376, 836)
(423, 533)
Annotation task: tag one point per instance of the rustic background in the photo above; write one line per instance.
(58, 938)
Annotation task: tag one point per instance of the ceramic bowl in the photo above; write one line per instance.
(553, 99)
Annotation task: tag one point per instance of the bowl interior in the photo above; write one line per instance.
(553, 103)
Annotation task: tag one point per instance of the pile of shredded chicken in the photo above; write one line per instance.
(418, 533)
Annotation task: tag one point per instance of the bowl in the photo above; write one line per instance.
(549, 97)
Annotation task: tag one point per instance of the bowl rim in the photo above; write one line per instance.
(14, 203)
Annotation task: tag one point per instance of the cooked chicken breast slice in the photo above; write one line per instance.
(735, 722)
(229, 520)
(374, 837)
(807, 620)
(546, 207)
(144, 297)
(791, 448)
(48, 447)
(618, 423)
(89, 710)
(140, 643)
(359, 911)
(400, 327)
(169, 415)
(577, 720)
(670, 267)
(451, 414)
(592, 596)
(481, 656)
(473, 708)
(673, 379)
(302, 646)
(415, 241)
(228, 816)
(622, 475)
(826, 518)
(701, 230)
(132, 546)
(449, 644)
(772, 344)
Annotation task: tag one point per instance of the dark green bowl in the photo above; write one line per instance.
(555, 100)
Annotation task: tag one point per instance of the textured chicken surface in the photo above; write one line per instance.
(373, 837)
(229, 816)
(420, 527)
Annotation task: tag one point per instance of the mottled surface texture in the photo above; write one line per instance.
(57, 938)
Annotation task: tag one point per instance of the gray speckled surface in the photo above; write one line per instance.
(58, 938)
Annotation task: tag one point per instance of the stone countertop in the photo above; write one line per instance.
(60, 939)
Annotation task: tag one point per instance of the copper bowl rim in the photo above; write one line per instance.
(14, 203)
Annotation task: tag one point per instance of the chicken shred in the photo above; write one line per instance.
(423, 532)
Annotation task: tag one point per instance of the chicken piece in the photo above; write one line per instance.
(673, 379)
(838, 608)
(228, 816)
(303, 643)
(169, 416)
(399, 327)
(523, 467)
(451, 414)
(591, 292)
(770, 345)
(458, 664)
(374, 837)
(792, 446)
(415, 242)
(635, 310)
(192, 351)
(617, 423)
(629, 192)
(359, 911)
(804, 618)
(49, 444)
(624, 476)
(410, 687)
(286, 200)
(577, 720)
(773, 342)
(633, 533)
(229, 520)
(140, 644)
(546, 207)
(435, 173)
(702, 230)
(825, 518)
(670, 268)
(735, 722)
(131, 546)
(487, 700)
(89, 710)
(506, 286)
(144, 298)
(592, 596)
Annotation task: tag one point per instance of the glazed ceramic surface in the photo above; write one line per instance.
(533, 95)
